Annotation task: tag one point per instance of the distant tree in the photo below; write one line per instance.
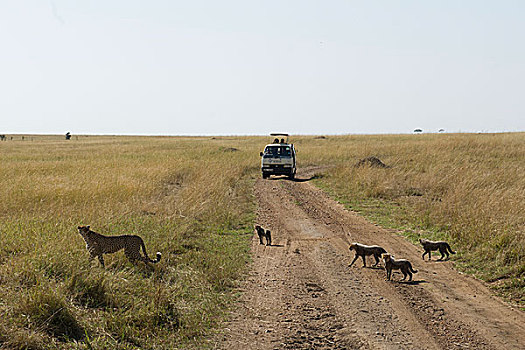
(68, 135)
(2, 138)
(441, 130)
(418, 130)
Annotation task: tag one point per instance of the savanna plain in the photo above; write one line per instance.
(192, 199)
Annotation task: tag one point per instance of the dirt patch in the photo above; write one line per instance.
(301, 294)
(373, 162)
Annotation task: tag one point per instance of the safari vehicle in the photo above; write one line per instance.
(278, 157)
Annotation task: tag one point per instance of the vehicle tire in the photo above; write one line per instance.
(291, 176)
(265, 176)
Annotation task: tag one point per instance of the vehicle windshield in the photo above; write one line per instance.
(278, 151)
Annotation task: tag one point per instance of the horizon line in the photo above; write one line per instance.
(264, 135)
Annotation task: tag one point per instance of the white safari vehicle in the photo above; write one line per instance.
(278, 157)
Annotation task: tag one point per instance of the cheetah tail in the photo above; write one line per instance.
(146, 254)
(450, 249)
(411, 268)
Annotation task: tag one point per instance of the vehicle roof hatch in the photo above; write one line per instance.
(280, 134)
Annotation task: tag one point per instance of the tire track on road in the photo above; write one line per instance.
(302, 295)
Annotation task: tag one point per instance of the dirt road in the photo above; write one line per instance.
(301, 293)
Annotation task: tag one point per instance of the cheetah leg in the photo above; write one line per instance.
(353, 261)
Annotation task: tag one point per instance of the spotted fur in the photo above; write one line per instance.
(264, 234)
(397, 264)
(98, 244)
(362, 251)
(430, 246)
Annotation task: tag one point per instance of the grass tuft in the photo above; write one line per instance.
(48, 311)
(90, 291)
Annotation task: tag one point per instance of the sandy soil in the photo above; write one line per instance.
(301, 294)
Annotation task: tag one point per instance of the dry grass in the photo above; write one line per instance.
(190, 198)
(469, 189)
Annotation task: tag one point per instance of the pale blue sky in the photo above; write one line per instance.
(252, 67)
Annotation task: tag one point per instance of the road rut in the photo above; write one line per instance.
(301, 294)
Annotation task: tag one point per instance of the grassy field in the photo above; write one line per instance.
(191, 199)
(467, 188)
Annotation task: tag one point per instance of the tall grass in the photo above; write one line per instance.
(190, 198)
(469, 189)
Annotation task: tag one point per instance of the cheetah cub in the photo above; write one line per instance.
(398, 264)
(263, 234)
